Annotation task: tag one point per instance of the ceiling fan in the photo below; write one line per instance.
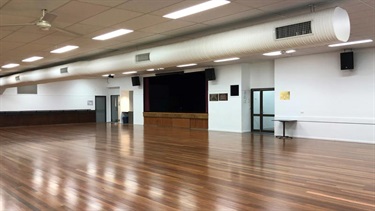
(44, 23)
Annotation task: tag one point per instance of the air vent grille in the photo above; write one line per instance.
(63, 70)
(293, 30)
(142, 57)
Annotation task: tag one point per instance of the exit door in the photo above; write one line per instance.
(263, 110)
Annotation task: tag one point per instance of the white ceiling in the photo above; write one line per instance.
(90, 18)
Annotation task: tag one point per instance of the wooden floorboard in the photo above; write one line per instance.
(123, 167)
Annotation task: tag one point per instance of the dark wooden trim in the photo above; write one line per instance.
(27, 118)
(176, 115)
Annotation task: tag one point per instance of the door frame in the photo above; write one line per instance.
(261, 115)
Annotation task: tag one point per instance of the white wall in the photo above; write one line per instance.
(229, 115)
(328, 103)
(245, 98)
(125, 84)
(66, 95)
(225, 115)
(262, 74)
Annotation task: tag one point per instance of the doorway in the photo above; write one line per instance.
(263, 110)
(100, 108)
(114, 108)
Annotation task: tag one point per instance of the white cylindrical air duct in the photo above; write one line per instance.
(326, 27)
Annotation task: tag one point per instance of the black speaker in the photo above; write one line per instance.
(136, 81)
(234, 90)
(347, 61)
(210, 74)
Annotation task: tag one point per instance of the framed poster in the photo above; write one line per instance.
(223, 97)
(214, 97)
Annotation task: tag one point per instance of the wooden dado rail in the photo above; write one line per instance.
(184, 120)
(25, 118)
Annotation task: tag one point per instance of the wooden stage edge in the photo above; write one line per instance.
(180, 120)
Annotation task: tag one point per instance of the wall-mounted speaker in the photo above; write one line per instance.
(234, 90)
(210, 74)
(136, 81)
(347, 60)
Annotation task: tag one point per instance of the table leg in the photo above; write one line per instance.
(283, 136)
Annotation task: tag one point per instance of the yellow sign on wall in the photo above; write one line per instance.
(285, 95)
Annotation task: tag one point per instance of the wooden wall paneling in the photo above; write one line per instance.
(199, 123)
(167, 122)
(28, 118)
(181, 122)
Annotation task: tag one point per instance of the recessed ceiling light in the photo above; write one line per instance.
(112, 34)
(290, 51)
(11, 65)
(187, 65)
(351, 43)
(228, 59)
(274, 53)
(150, 70)
(32, 59)
(65, 49)
(130, 72)
(196, 8)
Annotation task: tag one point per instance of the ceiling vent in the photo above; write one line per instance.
(63, 70)
(142, 57)
(293, 30)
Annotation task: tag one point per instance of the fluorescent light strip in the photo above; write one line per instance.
(113, 34)
(150, 70)
(274, 53)
(11, 65)
(65, 49)
(32, 59)
(228, 59)
(196, 9)
(186, 65)
(130, 72)
(351, 43)
(106, 75)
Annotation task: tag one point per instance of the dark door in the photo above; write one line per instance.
(114, 108)
(263, 110)
(100, 108)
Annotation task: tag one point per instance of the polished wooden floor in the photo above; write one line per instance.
(120, 167)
